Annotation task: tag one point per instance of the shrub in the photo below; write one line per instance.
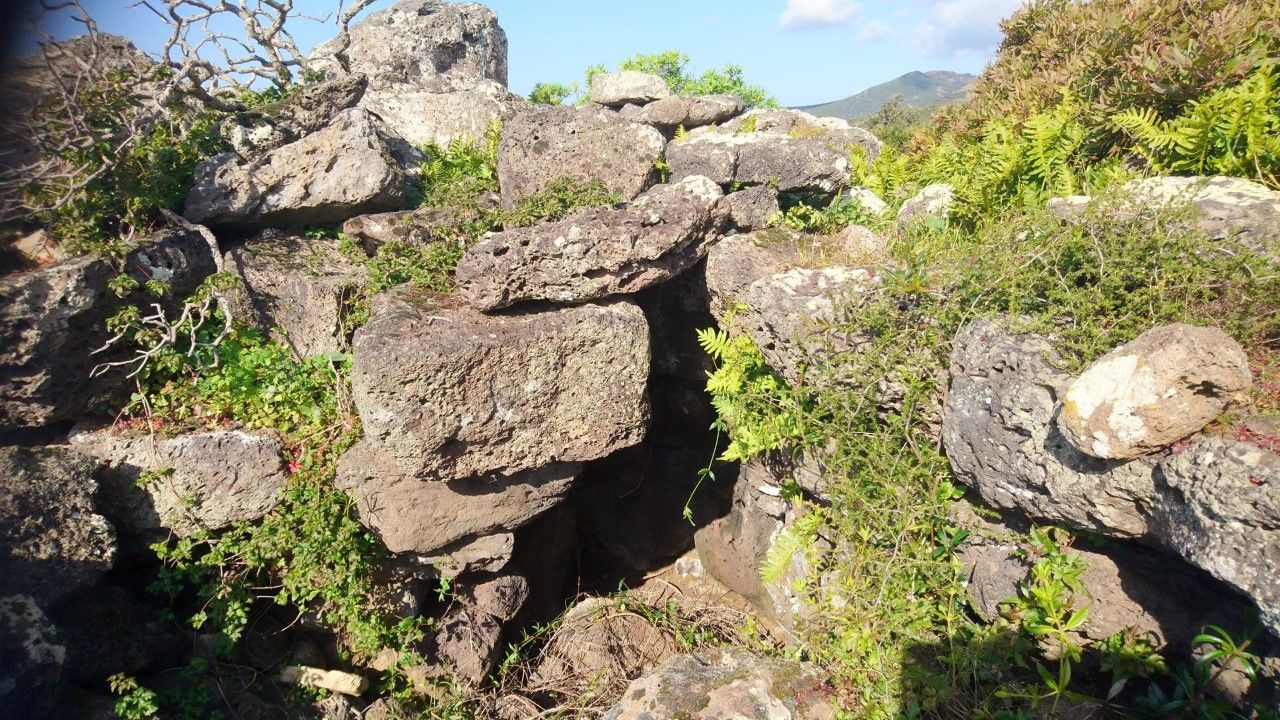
(545, 93)
(673, 66)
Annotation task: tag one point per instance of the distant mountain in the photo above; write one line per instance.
(918, 89)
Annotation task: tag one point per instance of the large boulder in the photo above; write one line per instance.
(1219, 508)
(543, 144)
(252, 134)
(838, 133)
(52, 540)
(734, 548)
(1213, 503)
(933, 202)
(594, 253)
(451, 393)
(789, 164)
(1226, 208)
(620, 88)
(344, 170)
(1130, 589)
(1000, 436)
(53, 319)
(419, 227)
(295, 289)
(32, 653)
(436, 70)
(783, 308)
(422, 43)
(688, 112)
(750, 209)
(428, 517)
(1149, 393)
(203, 480)
(727, 683)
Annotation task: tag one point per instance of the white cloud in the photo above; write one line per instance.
(960, 27)
(818, 13)
(875, 30)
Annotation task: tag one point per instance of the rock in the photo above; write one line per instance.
(620, 88)
(727, 683)
(32, 653)
(733, 548)
(1130, 589)
(751, 209)
(502, 597)
(424, 517)
(450, 393)
(542, 144)
(108, 631)
(53, 318)
(784, 308)
(1219, 508)
(487, 554)
(594, 644)
(675, 111)
(342, 171)
(1153, 391)
(838, 134)
(468, 640)
(931, 203)
(862, 243)
(421, 43)
(52, 541)
(867, 200)
(423, 226)
(203, 480)
(295, 289)
(337, 681)
(594, 253)
(460, 109)
(999, 433)
(309, 111)
(764, 158)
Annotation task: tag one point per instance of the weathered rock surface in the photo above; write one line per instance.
(837, 133)
(733, 548)
(436, 70)
(1129, 589)
(311, 110)
(1213, 503)
(32, 653)
(52, 319)
(784, 307)
(207, 479)
(727, 684)
(450, 393)
(487, 554)
(867, 200)
(594, 253)
(469, 636)
(344, 170)
(420, 42)
(616, 89)
(931, 203)
(594, 642)
(689, 112)
(425, 517)
(760, 158)
(862, 243)
(750, 209)
(543, 144)
(1000, 436)
(1145, 395)
(52, 540)
(1219, 508)
(295, 289)
(422, 226)
(1237, 209)
(460, 109)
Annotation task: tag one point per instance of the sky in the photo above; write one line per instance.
(803, 51)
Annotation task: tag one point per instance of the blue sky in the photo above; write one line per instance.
(803, 51)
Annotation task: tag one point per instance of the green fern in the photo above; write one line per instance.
(796, 537)
(1231, 131)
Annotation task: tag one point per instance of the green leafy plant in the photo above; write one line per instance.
(133, 701)
(545, 93)
(1231, 131)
